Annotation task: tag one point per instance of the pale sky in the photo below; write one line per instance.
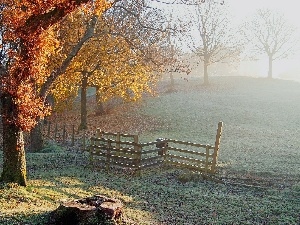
(240, 10)
(243, 8)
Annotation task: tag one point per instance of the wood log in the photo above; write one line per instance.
(91, 210)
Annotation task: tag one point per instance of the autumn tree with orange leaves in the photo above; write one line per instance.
(22, 99)
(22, 104)
(115, 60)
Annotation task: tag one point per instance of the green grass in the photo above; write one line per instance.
(259, 160)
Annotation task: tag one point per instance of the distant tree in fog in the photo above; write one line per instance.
(270, 33)
(213, 40)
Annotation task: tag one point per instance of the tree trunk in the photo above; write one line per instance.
(14, 162)
(270, 73)
(83, 117)
(172, 81)
(98, 209)
(205, 66)
(36, 137)
(99, 108)
(99, 104)
(36, 134)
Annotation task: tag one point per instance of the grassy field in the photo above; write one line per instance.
(259, 160)
(261, 121)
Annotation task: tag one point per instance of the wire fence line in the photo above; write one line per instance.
(107, 149)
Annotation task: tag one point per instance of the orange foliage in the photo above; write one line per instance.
(107, 61)
(26, 23)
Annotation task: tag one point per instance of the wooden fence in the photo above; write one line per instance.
(124, 150)
(67, 135)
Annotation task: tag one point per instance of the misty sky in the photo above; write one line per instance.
(245, 8)
(240, 10)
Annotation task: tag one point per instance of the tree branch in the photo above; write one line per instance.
(63, 67)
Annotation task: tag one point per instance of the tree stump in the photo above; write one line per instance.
(87, 211)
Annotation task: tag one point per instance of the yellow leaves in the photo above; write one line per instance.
(108, 60)
(48, 49)
(64, 90)
(100, 6)
(125, 80)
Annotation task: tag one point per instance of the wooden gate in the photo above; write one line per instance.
(124, 150)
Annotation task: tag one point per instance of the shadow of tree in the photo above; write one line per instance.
(21, 219)
(155, 197)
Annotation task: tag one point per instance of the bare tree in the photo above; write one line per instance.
(214, 40)
(270, 33)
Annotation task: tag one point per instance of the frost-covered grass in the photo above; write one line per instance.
(157, 197)
(259, 157)
(261, 122)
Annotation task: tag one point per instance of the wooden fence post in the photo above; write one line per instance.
(138, 154)
(98, 135)
(217, 146)
(55, 132)
(73, 135)
(64, 133)
(83, 141)
(165, 151)
(108, 154)
(91, 151)
(206, 158)
(118, 145)
(48, 132)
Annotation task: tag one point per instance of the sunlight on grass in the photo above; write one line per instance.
(72, 181)
(259, 159)
(40, 182)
